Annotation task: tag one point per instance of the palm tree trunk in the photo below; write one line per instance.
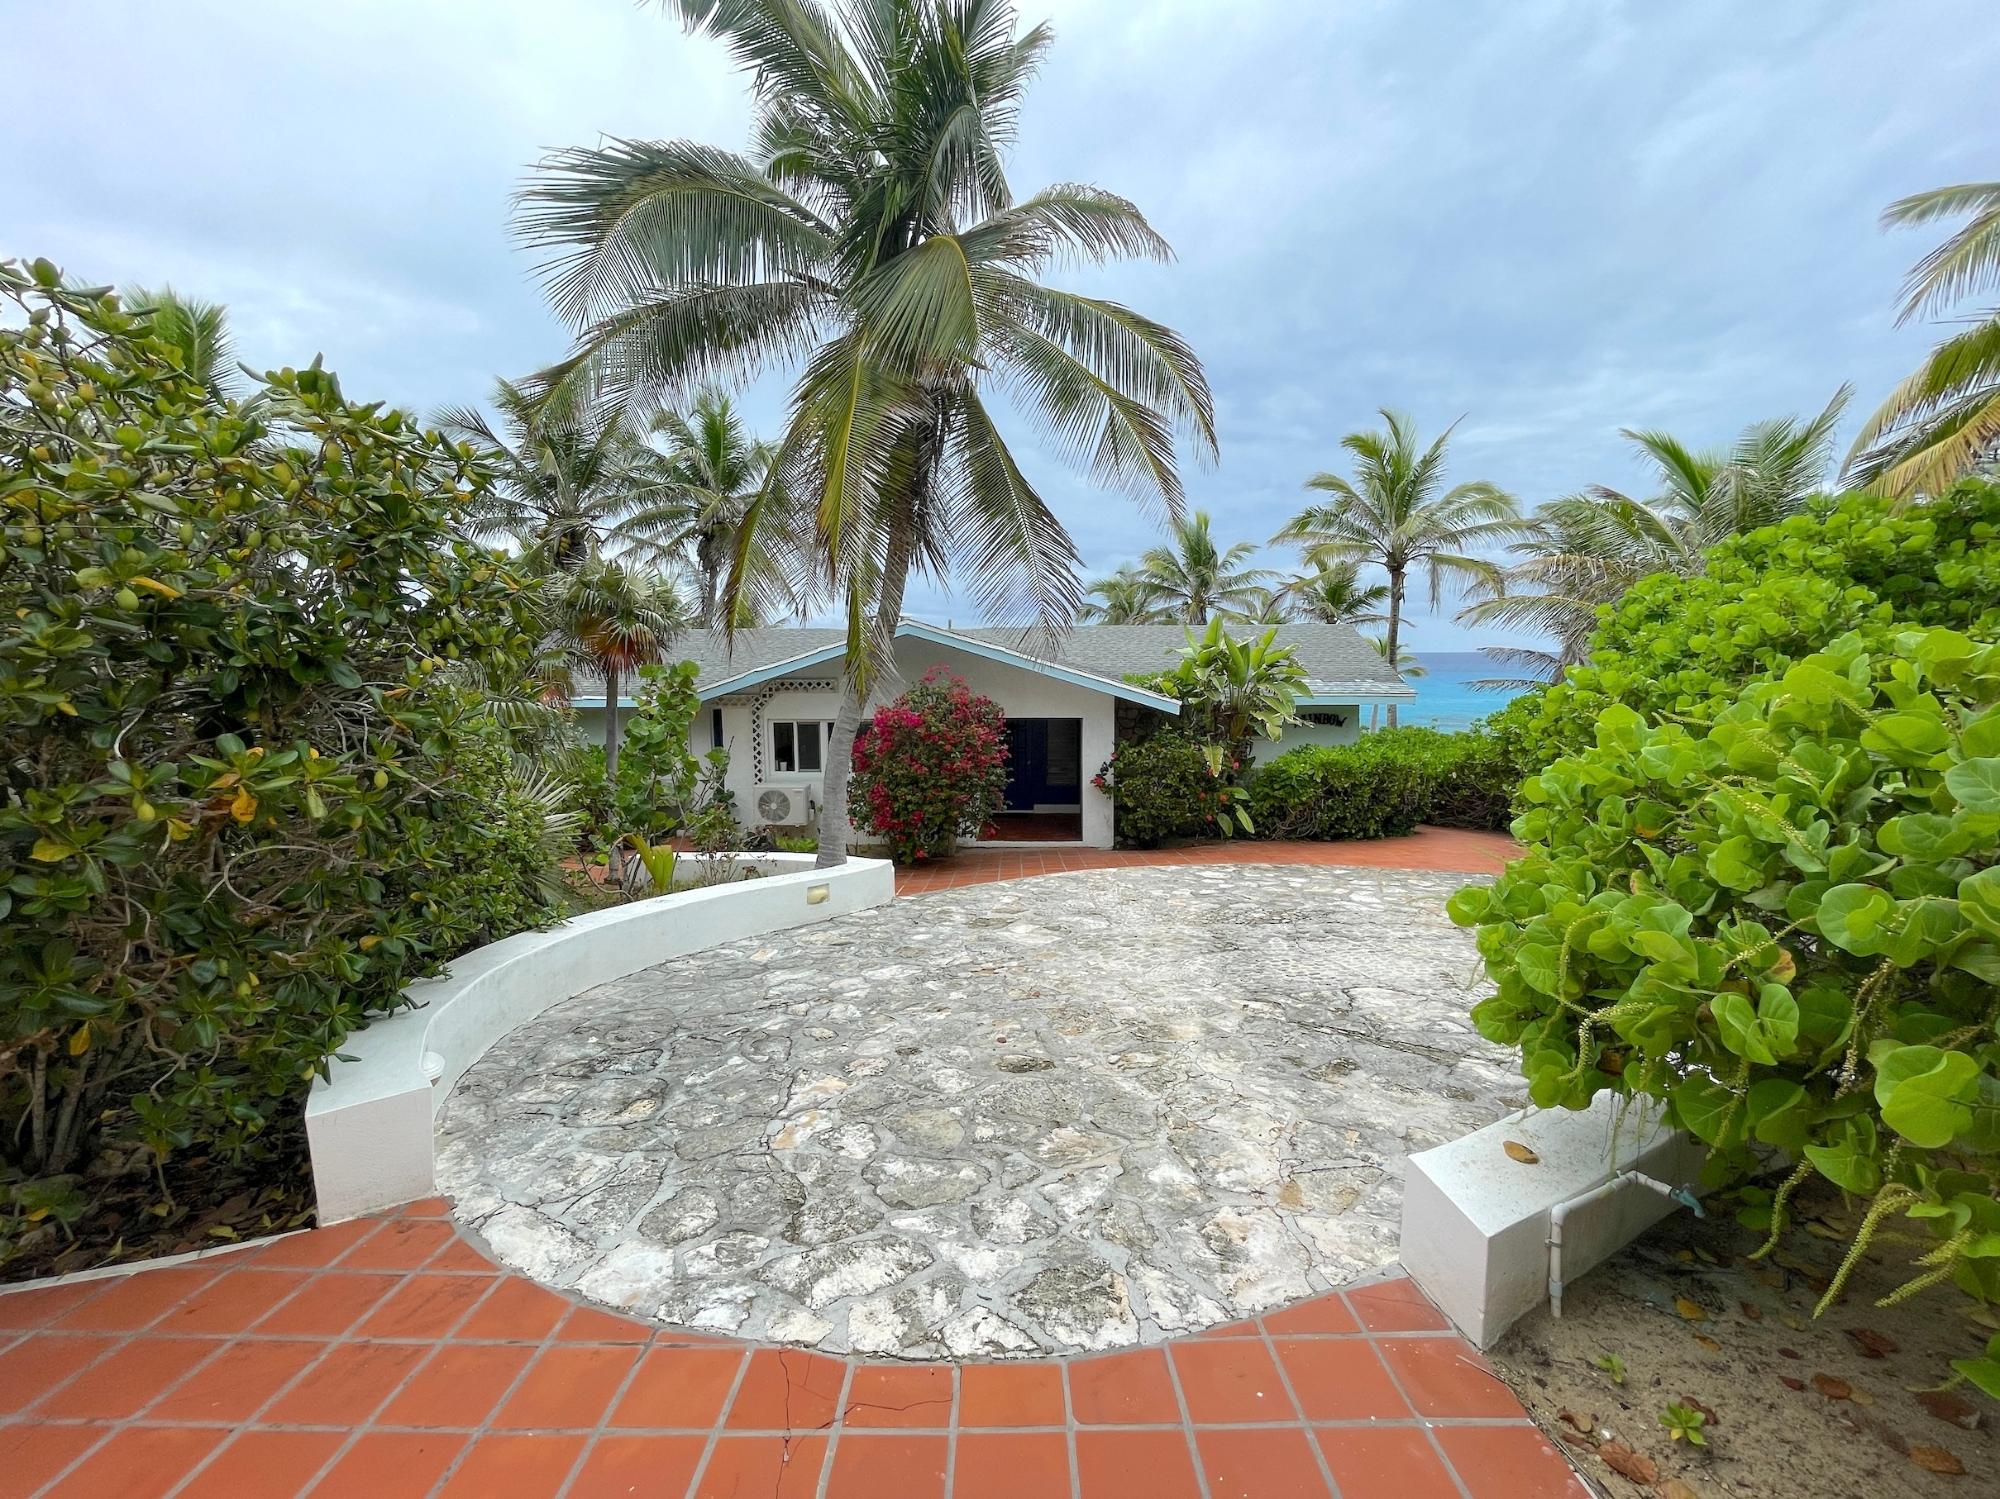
(617, 849)
(854, 697)
(1395, 629)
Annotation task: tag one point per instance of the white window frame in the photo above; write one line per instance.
(823, 729)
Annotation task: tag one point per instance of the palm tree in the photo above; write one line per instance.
(701, 490)
(872, 234)
(1407, 666)
(198, 331)
(1944, 420)
(1126, 597)
(1332, 594)
(1193, 577)
(1392, 514)
(568, 484)
(1584, 550)
(613, 619)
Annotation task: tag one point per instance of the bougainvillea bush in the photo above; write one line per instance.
(930, 768)
(245, 793)
(1785, 924)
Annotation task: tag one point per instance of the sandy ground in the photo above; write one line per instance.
(1821, 1409)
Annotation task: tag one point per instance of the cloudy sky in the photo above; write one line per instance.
(1549, 218)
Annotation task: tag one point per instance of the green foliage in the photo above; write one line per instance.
(1684, 1424)
(1785, 924)
(245, 797)
(1385, 784)
(1171, 785)
(1682, 647)
(662, 787)
(1229, 689)
(931, 767)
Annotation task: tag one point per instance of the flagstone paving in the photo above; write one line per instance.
(1054, 1116)
(393, 1356)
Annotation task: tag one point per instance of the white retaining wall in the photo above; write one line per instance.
(371, 1123)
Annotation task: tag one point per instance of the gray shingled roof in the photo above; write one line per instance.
(1336, 659)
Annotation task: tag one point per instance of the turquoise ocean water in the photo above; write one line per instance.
(1446, 698)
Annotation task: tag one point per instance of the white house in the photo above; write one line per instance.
(770, 697)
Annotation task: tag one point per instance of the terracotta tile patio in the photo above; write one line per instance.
(1450, 849)
(438, 1378)
(390, 1357)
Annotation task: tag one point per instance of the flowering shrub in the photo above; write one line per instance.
(930, 768)
(1172, 786)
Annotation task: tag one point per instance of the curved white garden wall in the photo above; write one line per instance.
(370, 1123)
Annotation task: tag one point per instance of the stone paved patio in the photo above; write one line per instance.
(1059, 1115)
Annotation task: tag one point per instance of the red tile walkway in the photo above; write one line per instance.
(1450, 849)
(389, 1357)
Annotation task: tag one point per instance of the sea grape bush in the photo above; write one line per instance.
(930, 768)
(1384, 785)
(1682, 647)
(1785, 923)
(244, 795)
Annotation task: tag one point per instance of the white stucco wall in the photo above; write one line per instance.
(1312, 733)
(815, 694)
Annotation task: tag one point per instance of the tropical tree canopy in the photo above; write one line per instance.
(195, 330)
(1944, 420)
(1193, 577)
(1584, 550)
(1396, 514)
(871, 233)
(1333, 594)
(1125, 597)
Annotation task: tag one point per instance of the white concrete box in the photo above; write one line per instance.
(1476, 1221)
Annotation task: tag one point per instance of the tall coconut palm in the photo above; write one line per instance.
(1944, 420)
(700, 491)
(1333, 594)
(197, 330)
(1584, 550)
(1125, 597)
(1396, 514)
(871, 233)
(569, 482)
(1193, 577)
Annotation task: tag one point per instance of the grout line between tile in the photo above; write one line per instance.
(835, 1427)
(722, 1415)
(1424, 1423)
(1298, 1408)
(1187, 1422)
(611, 1405)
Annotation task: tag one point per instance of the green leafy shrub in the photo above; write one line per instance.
(664, 789)
(1786, 925)
(1683, 647)
(1384, 785)
(246, 794)
(1172, 785)
(930, 768)
(1230, 690)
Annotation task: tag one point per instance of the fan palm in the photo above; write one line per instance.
(1584, 550)
(872, 233)
(1193, 577)
(1332, 594)
(198, 331)
(1396, 514)
(1944, 420)
(1126, 597)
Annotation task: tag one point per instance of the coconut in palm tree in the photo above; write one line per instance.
(1396, 514)
(871, 233)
